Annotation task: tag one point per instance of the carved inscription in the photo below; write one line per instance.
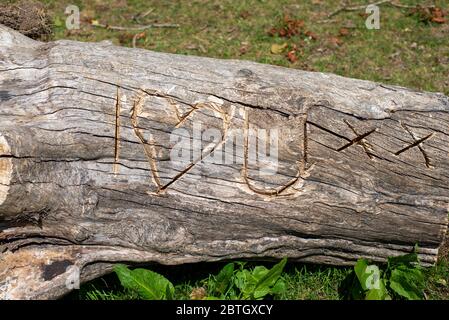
(149, 145)
(301, 173)
(303, 165)
(360, 140)
(416, 143)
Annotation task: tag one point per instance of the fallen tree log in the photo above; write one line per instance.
(111, 154)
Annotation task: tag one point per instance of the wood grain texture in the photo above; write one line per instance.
(86, 178)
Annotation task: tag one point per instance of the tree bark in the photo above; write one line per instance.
(87, 177)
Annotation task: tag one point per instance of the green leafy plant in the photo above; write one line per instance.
(147, 284)
(247, 284)
(230, 283)
(401, 278)
(220, 286)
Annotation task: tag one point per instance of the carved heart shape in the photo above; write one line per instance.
(149, 144)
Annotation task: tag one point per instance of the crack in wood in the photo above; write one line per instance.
(416, 143)
(117, 132)
(328, 130)
(305, 155)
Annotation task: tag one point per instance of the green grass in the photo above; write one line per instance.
(405, 51)
(438, 280)
(303, 282)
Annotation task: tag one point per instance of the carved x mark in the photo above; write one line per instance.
(359, 140)
(416, 143)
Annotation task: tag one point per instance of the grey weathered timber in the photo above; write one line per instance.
(86, 177)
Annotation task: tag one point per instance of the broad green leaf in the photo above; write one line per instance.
(259, 272)
(169, 291)
(356, 291)
(368, 275)
(379, 293)
(231, 294)
(279, 287)
(223, 279)
(270, 278)
(261, 292)
(241, 279)
(148, 284)
(360, 268)
(407, 282)
(247, 284)
(407, 259)
(350, 287)
(374, 294)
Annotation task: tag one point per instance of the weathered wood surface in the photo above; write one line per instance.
(363, 167)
